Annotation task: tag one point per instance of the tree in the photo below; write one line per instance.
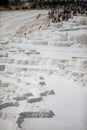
(11, 1)
(4, 2)
(14, 1)
(17, 1)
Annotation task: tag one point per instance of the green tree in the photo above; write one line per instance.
(4, 2)
(17, 1)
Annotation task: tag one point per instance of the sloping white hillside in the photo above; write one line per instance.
(43, 74)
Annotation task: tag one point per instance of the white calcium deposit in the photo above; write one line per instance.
(43, 73)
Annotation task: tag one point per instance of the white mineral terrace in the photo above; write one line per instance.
(43, 74)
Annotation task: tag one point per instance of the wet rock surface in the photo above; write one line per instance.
(42, 83)
(3, 84)
(9, 104)
(51, 92)
(24, 97)
(34, 99)
(2, 67)
(35, 114)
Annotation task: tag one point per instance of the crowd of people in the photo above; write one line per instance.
(64, 12)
